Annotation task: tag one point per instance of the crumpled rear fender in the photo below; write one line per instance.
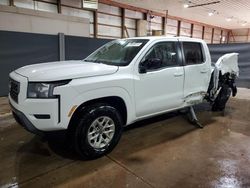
(226, 64)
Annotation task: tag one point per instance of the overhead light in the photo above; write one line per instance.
(229, 19)
(211, 12)
(186, 3)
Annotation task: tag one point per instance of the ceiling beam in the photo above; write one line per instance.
(145, 11)
(203, 4)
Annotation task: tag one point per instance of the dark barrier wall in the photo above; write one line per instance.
(81, 47)
(20, 49)
(243, 49)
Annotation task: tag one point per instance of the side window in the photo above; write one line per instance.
(193, 53)
(164, 54)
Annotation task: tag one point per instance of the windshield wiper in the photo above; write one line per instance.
(91, 60)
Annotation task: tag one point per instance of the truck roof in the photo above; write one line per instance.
(164, 37)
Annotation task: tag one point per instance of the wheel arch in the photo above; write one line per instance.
(115, 101)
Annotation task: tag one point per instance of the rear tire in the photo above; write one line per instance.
(222, 98)
(97, 131)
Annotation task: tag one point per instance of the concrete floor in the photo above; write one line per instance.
(165, 151)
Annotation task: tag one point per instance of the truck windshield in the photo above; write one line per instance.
(118, 52)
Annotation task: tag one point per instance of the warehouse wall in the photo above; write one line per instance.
(239, 35)
(115, 20)
(110, 21)
(25, 20)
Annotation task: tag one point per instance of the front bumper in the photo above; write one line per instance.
(43, 114)
(24, 122)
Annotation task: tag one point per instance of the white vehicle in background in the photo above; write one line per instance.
(124, 81)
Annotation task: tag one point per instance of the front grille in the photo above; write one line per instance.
(14, 90)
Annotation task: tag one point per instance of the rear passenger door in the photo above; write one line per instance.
(197, 71)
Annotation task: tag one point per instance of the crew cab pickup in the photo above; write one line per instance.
(124, 81)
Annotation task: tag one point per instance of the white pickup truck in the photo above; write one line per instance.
(124, 81)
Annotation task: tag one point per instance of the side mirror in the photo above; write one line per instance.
(142, 68)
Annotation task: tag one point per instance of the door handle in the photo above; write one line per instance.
(204, 70)
(178, 74)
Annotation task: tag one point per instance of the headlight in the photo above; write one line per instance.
(43, 90)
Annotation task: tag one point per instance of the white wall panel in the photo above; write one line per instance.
(32, 21)
(208, 29)
(107, 37)
(198, 27)
(78, 13)
(185, 32)
(207, 41)
(170, 35)
(109, 31)
(185, 29)
(133, 14)
(45, 7)
(239, 38)
(131, 32)
(216, 42)
(130, 23)
(36, 5)
(73, 3)
(4, 2)
(108, 19)
(240, 31)
(155, 26)
(217, 37)
(109, 9)
(186, 25)
(156, 19)
(172, 22)
(224, 33)
(217, 31)
(197, 34)
(171, 30)
(25, 4)
(224, 36)
(208, 36)
(91, 29)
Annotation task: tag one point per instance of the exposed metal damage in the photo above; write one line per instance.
(222, 82)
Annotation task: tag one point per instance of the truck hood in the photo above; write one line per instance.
(63, 70)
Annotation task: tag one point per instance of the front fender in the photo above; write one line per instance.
(108, 92)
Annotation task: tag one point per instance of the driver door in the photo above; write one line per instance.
(159, 87)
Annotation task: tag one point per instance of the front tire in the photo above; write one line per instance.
(98, 131)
